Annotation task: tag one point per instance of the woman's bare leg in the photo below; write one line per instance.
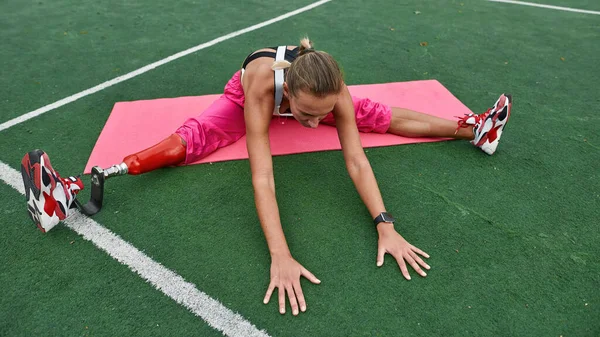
(410, 123)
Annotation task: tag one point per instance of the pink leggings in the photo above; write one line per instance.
(222, 123)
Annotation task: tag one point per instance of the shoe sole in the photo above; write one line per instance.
(36, 180)
(499, 119)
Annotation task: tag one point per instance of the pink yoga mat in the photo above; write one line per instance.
(137, 125)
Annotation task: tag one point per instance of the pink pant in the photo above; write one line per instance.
(222, 123)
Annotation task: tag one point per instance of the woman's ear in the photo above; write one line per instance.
(285, 90)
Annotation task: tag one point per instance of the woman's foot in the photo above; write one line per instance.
(488, 126)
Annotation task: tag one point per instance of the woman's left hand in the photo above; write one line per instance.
(393, 243)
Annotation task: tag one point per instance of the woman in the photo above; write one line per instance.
(305, 84)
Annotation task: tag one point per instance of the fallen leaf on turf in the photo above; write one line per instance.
(562, 59)
(423, 44)
(83, 32)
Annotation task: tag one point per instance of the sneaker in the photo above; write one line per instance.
(49, 197)
(488, 126)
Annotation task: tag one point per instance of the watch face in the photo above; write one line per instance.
(387, 217)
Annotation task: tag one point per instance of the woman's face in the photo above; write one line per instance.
(308, 109)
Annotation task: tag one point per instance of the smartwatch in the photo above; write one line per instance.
(384, 217)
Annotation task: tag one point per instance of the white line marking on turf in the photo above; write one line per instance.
(567, 9)
(12, 177)
(151, 66)
(171, 284)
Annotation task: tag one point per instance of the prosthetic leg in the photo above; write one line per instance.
(168, 152)
(49, 196)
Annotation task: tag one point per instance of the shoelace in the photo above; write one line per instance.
(68, 182)
(462, 121)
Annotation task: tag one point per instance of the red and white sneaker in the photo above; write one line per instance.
(49, 197)
(488, 126)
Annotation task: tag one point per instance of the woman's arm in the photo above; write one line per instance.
(257, 114)
(285, 271)
(358, 165)
(362, 176)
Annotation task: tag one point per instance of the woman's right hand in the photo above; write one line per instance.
(285, 276)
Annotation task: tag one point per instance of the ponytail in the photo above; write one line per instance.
(306, 46)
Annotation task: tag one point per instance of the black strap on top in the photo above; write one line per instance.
(290, 55)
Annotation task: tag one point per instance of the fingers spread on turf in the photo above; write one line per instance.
(281, 299)
(300, 296)
(292, 296)
(269, 293)
(419, 251)
(414, 264)
(402, 265)
(419, 260)
(312, 278)
(380, 255)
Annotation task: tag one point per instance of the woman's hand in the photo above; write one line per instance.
(285, 276)
(394, 244)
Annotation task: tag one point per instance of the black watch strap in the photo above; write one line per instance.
(384, 217)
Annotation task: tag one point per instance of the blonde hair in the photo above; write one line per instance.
(313, 71)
